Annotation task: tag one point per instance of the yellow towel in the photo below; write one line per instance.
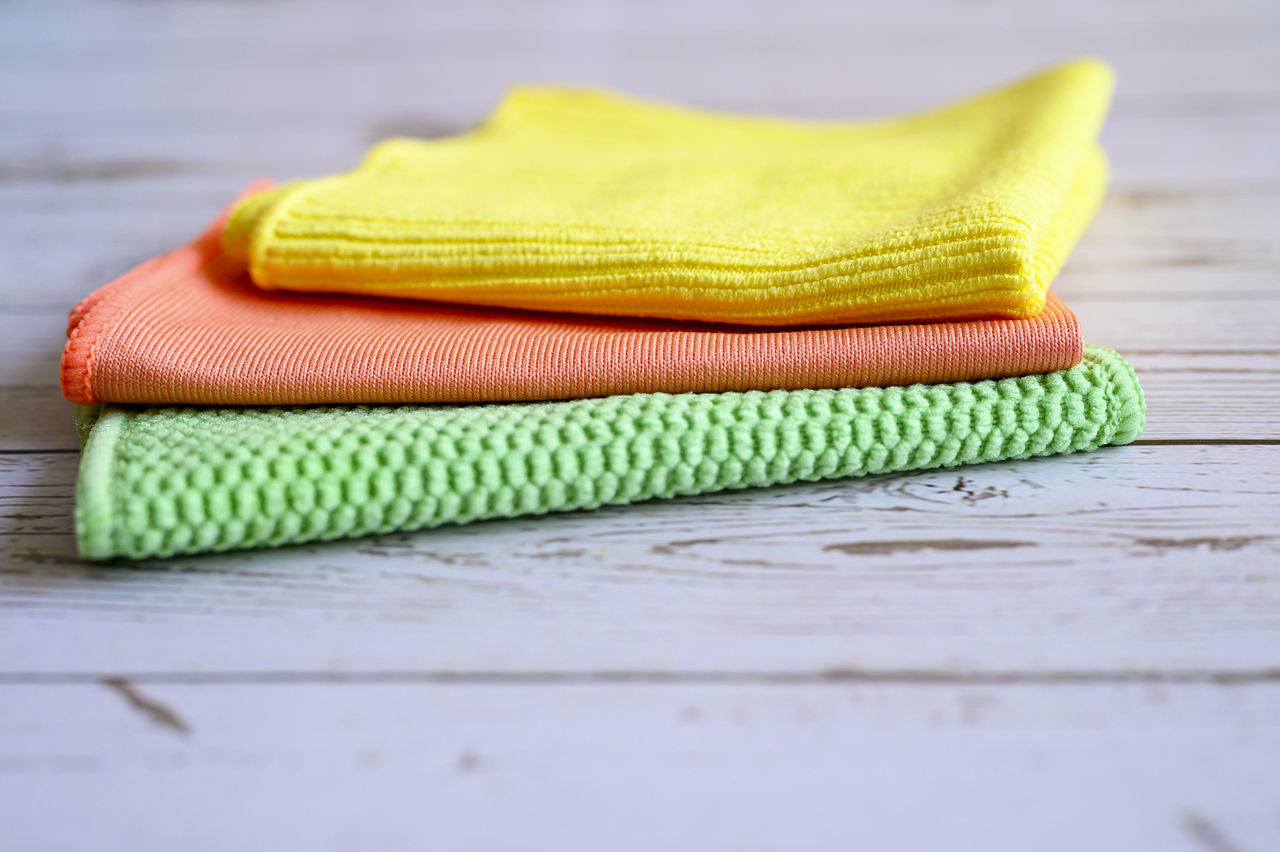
(587, 202)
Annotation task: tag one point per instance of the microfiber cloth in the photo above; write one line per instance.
(158, 481)
(586, 202)
(189, 327)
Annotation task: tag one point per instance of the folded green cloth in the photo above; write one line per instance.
(158, 481)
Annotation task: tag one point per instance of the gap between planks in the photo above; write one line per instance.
(835, 677)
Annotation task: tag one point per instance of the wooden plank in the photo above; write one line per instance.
(635, 767)
(65, 234)
(1168, 270)
(1147, 145)
(97, 22)
(1210, 367)
(128, 34)
(1139, 558)
(1206, 324)
(812, 67)
(1184, 402)
(123, 99)
(30, 348)
(1142, 234)
(35, 419)
(1074, 653)
(1230, 395)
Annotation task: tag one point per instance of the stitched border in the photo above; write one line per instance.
(94, 317)
(95, 511)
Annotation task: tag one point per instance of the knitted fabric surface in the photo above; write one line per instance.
(166, 480)
(190, 328)
(585, 202)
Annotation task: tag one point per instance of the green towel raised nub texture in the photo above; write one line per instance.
(161, 481)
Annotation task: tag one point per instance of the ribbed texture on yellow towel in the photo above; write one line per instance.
(587, 202)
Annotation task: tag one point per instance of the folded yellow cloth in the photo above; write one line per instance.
(587, 202)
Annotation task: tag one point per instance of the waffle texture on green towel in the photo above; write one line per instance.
(160, 481)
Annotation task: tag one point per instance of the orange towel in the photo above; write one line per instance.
(190, 327)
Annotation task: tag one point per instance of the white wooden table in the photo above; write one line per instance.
(1066, 654)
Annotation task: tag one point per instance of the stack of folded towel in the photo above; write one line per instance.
(593, 300)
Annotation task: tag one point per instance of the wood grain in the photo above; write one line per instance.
(1072, 653)
(1210, 368)
(1132, 559)
(639, 767)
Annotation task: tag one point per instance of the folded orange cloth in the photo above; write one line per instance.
(190, 327)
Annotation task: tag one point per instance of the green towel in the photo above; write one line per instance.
(158, 481)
